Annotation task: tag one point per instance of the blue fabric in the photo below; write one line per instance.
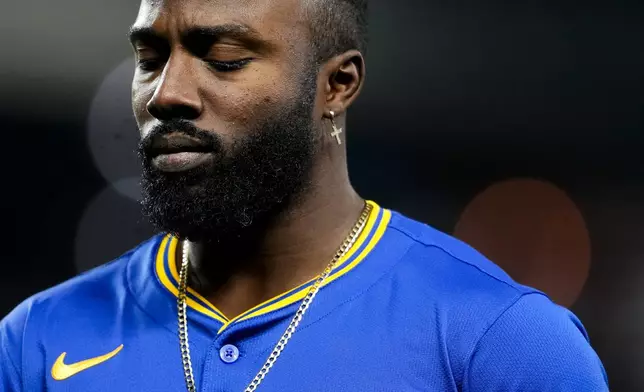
(420, 312)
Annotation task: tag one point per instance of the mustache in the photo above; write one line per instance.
(159, 134)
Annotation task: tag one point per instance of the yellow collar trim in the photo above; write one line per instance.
(209, 309)
(299, 295)
(166, 262)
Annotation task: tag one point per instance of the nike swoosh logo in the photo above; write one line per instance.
(60, 371)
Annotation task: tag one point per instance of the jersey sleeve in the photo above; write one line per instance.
(535, 345)
(11, 330)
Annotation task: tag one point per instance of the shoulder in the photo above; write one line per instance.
(485, 312)
(68, 309)
(443, 261)
(449, 279)
(93, 285)
(535, 345)
(80, 296)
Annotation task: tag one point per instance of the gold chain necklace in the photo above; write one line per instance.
(306, 302)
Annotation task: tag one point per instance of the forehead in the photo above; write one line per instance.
(278, 19)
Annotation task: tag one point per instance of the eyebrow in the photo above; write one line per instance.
(143, 34)
(212, 33)
(232, 30)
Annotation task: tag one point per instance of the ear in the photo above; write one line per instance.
(344, 75)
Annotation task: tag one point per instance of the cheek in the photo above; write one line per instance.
(141, 93)
(247, 101)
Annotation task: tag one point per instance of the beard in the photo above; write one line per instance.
(250, 182)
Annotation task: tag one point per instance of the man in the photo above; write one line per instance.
(275, 275)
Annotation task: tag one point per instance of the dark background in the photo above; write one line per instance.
(460, 95)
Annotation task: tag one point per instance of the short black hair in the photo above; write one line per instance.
(338, 26)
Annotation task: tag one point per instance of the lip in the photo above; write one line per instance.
(177, 143)
(181, 161)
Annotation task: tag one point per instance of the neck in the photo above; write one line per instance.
(292, 249)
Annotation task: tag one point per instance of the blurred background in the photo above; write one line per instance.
(516, 127)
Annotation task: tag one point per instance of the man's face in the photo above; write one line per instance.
(224, 95)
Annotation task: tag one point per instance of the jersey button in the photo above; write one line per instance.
(229, 353)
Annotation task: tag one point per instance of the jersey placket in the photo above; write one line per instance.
(238, 352)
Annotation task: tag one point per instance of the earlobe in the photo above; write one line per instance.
(345, 81)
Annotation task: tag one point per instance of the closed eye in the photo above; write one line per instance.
(149, 64)
(228, 66)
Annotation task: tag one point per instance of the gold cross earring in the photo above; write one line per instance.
(336, 131)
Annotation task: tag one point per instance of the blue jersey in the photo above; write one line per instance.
(408, 309)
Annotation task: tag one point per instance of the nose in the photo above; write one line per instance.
(176, 96)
